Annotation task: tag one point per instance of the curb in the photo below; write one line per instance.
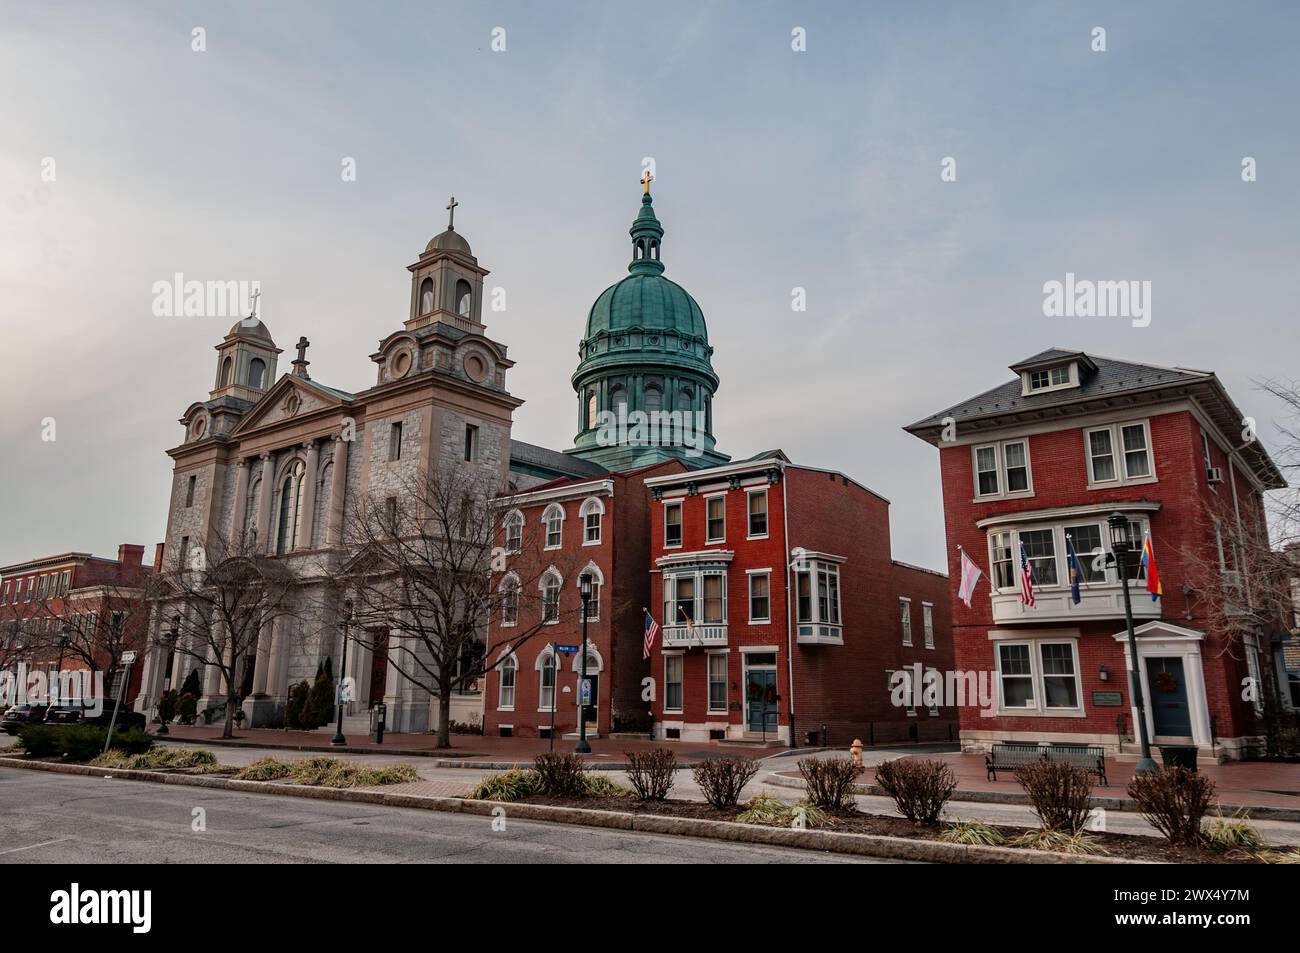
(1122, 804)
(863, 845)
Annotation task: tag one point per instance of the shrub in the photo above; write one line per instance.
(972, 833)
(78, 742)
(39, 741)
(829, 782)
(1279, 856)
(1174, 801)
(1062, 842)
(651, 773)
(167, 706)
(467, 727)
(559, 775)
(920, 789)
(158, 758)
(1232, 833)
(596, 784)
(187, 706)
(267, 769)
(1059, 793)
(513, 785)
(773, 812)
(191, 684)
(319, 707)
(722, 779)
(294, 706)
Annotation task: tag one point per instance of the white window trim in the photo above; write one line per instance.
(508, 660)
(1059, 555)
(509, 577)
(767, 511)
(749, 594)
(726, 684)
(1026, 377)
(551, 573)
(598, 578)
(999, 448)
(591, 505)
(682, 660)
(927, 631)
(546, 526)
(1117, 454)
(707, 500)
(514, 518)
(681, 523)
(540, 666)
(905, 603)
(1039, 708)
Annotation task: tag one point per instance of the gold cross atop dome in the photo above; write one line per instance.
(646, 180)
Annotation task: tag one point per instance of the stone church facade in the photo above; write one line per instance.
(283, 465)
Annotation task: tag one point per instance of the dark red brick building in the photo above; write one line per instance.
(1044, 460)
(75, 611)
(553, 533)
(783, 614)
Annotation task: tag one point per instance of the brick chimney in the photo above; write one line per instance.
(130, 554)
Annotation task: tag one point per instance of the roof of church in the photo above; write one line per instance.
(530, 454)
(259, 331)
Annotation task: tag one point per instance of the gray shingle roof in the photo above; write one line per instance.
(566, 464)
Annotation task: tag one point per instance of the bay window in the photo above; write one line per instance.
(817, 599)
(1040, 547)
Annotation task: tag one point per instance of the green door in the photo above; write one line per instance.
(761, 700)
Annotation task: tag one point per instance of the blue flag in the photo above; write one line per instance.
(1076, 570)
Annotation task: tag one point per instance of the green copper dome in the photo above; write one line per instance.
(645, 348)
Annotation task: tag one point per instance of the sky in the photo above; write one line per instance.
(776, 169)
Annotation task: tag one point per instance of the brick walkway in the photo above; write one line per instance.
(469, 748)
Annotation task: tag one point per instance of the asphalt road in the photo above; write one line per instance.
(53, 818)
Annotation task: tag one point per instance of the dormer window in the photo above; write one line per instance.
(1049, 378)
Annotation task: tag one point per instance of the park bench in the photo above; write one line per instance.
(1011, 755)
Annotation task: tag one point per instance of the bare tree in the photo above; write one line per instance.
(93, 627)
(215, 604)
(431, 565)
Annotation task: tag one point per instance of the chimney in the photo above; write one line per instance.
(158, 556)
(130, 554)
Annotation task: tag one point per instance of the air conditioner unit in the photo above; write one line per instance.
(1214, 474)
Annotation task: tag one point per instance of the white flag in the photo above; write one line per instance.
(970, 575)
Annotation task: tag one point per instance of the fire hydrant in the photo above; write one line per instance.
(855, 750)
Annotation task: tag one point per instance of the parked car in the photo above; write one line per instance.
(126, 718)
(19, 715)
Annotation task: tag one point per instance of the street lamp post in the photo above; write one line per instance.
(58, 668)
(1123, 547)
(338, 738)
(584, 587)
(174, 637)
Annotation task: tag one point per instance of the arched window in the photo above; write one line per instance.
(510, 600)
(591, 409)
(546, 680)
(226, 365)
(597, 581)
(639, 251)
(550, 587)
(290, 508)
(426, 296)
(591, 512)
(685, 398)
(514, 524)
(618, 400)
(256, 371)
(654, 250)
(507, 669)
(553, 519)
(464, 298)
(654, 399)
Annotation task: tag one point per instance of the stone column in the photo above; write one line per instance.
(278, 667)
(264, 541)
(261, 662)
(334, 530)
(212, 673)
(308, 515)
(240, 509)
(155, 659)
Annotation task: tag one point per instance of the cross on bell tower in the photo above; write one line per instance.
(451, 214)
(300, 362)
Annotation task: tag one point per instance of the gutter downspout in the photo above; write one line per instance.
(789, 617)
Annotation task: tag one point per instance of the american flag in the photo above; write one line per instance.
(651, 630)
(1026, 579)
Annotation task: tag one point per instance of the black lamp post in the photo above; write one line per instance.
(584, 587)
(338, 738)
(58, 668)
(172, 638)
(1123, 547)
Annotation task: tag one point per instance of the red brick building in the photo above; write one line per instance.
(783, 614)
(76, 612)
(1045, 459)
(553, 533)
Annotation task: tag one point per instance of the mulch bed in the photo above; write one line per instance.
(855, 822)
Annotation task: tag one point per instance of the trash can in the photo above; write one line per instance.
(1178, 756)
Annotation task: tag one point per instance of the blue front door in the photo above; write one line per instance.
(761, 700)
(1168, 699)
